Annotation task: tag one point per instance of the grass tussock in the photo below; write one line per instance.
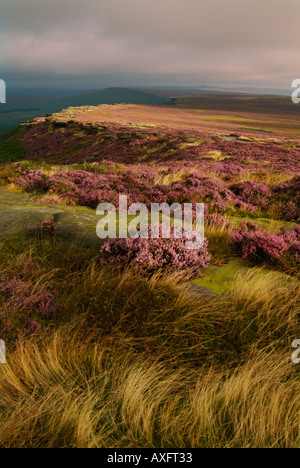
(65, 392)
(219, 241)
(131, 361)
(175, 176)
(269, 178)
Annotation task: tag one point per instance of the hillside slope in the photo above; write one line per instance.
(92, 134)
(22, 108)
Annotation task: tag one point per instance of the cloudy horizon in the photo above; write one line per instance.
(98, 43)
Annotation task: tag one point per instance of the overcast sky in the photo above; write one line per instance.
(94, 43)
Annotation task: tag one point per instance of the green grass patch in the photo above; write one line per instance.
(220, 279)
(267, 224)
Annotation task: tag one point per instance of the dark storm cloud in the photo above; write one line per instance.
(139, 41)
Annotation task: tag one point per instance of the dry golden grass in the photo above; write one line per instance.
(219, 241)
(52, 198)
(138, 362)
(176, 176)
(12, 187)
(52, 170)
(69, 393)
(268, 178)
(216, 155)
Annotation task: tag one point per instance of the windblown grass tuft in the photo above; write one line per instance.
(135, 361)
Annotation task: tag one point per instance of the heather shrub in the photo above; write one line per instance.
(48, 226)
(151, 255)
(32, 180)
(252, 193)
(217, 221)
(202, 189)
(292, 240)
(287, 196)
(290, 211)
(89, 184)
(27, 296)
(248, 226)
(24, 305)
(261, 247)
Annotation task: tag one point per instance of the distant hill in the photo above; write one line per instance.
(22, 108)
(107, 96)
(174, 91)
(25, 104)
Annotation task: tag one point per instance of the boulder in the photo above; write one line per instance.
(21, 218)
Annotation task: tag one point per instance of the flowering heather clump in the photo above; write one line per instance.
(23, 305)
(289, 189)
(151, 255)
(288, 211)
(48, 226)
(287, 196)
(32, 180)
(25, 302)
(85, 188)
(291, 211)
(252, 193)
(297, 229)
(202, 189)
(217, 221)
(259, 246)
(292, 239)
(263, 247)
(248, 226)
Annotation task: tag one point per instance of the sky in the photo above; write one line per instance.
(98, 43)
